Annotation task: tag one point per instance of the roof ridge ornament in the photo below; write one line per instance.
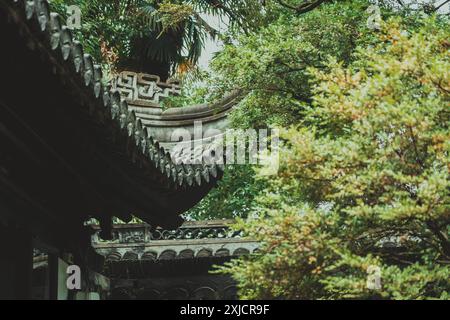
(144, 90)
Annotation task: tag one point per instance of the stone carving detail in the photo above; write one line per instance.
(194, 233)
(144, 90)
(125, 236)
(144, 233)
(132, 236)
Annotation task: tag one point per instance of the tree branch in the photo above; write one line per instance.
(304, 7)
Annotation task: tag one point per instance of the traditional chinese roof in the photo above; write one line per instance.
(111, 145)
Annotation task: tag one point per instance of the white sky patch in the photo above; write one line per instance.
(212, 46)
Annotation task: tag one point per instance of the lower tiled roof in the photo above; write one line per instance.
(213, 239)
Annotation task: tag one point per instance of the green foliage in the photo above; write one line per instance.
(111, 24)
(364, 179)
(155, 36)
(195, 95)
(193, 91)
(233, 198)
(271, 64)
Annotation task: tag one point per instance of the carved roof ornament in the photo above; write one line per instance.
(144, 90)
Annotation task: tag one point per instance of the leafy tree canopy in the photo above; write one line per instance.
(154, 36)
(364, 179)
